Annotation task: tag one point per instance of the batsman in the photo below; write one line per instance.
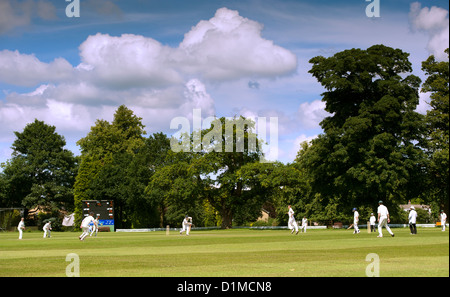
(187, 223)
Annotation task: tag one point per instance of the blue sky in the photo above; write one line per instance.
(165, 58)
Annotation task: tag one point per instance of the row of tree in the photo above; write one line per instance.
(375, 146)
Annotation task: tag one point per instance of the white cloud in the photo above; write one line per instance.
(433, 21)
(312, 113)
(226, 47)
(229, 47)
(156, 81)
(197, 97)
(26, 70)
(128, 61)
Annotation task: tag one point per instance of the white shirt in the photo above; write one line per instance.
(304, 221)
(186, 221)
(21, 225)
(383, 211)
(86, 221)
(443, 216)
(291, 213)
(372, 220)
(47, 226)
(412, 216)
(356, 216)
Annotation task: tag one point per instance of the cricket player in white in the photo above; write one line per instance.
(372, 221)
(47, 229)
(443, 219)
(21, 227)
(292, 223)
(304, 224)
(383, 219)
(186, 224)
(95, 227)
(355, 221)
(412, 218)
(85, 225)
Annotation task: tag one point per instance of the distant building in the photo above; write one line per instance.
(407, 207)
(264, 215)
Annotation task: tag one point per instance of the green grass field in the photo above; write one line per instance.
(228, 253)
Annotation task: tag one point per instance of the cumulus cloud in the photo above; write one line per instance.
(435, 22)
(71, 108)
(310, 114)
(229, 46)
(26, 70)
(128, 61)
(226, 47)
(156, 81)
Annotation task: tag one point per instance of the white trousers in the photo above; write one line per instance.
(443, 225)
(85, 233)
(383, 223)
(303, 228)
(20, 233)
(292, 224)
(94, 230)
(185, 228)
(45, 233)
(355, 226)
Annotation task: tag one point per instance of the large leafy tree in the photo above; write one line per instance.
(437, 120)
(370, 149)
(209, 176)
(41, 171)
(109, 168)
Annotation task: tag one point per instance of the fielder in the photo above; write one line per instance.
(355, 221)
(292, 223)
(95, 227)
(372, 222)
(304, 224)
(85, 225)
(186, 224)
(21, 227)
(383, 219)
(47, 229)
(443, 219)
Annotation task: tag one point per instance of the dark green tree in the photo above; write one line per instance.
(371, 146)
(108, 168)
(41, 172)
(206, 174)
(437, 120)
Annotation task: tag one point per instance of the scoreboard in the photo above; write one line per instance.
(102, 208)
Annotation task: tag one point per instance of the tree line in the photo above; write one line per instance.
(374, 146)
